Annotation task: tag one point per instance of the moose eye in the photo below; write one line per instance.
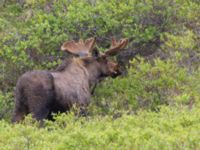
(95, 53)
(105, 60)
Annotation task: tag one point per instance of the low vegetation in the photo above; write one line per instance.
(154, 105)
(171, 128)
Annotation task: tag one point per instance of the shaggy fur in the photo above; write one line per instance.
(43, 92)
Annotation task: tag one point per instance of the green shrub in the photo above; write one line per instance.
(148, 86)
(32, 31)
(172, 128)
(6, 105)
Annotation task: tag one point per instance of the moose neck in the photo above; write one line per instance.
(88, 67)
(94, 72)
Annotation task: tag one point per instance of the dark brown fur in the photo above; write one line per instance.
(43, 92)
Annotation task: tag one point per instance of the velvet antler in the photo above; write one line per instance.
(81, 48)
(116, 46)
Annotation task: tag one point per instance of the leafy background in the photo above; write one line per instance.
(155, 105)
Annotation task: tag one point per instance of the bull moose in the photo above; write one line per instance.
(42, 93)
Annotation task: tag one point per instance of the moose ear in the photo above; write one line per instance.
(95, 53)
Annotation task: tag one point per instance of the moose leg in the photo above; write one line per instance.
(18, 116)
(41, 99)
(21, 108)
(19, 113)
(83, 111)
(41, 104)
(41, 113)
(39, 107)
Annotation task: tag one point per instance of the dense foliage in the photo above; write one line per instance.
(168, 129)
(154, 106)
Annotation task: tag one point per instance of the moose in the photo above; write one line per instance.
(42, 93)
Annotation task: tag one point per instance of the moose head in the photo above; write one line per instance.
(95, 60)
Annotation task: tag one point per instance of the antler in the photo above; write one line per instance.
(81, 48)
(116, 46)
